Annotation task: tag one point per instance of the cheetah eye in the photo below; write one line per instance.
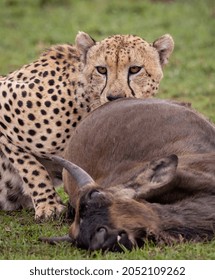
(102, 70)
(134, 69)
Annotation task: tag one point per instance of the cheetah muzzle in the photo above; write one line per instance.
(43, 102)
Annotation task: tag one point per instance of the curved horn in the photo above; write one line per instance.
(82, 177)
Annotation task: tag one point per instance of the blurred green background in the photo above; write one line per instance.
(27, 27)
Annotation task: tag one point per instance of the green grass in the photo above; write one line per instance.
(28, 27)
(19, 240)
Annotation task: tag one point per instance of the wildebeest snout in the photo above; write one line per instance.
(109, 239)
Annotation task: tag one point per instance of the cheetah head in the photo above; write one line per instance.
(123, 65)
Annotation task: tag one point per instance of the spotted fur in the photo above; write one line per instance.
(42, 103)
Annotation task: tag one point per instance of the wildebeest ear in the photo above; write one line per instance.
(164, 46)
(84, 42)
(157, 174)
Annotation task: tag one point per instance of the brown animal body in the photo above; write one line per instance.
(153, 169)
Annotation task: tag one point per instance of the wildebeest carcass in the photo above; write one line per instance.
(150, 175)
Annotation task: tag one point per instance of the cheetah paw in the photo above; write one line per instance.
(47, 212)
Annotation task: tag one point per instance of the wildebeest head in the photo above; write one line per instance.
(105, 217)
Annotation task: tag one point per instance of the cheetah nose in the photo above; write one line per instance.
(113, 97)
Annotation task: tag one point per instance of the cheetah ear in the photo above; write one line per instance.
(84, 42)
(164, 46)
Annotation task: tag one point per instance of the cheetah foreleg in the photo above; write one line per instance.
(11, 187)
(36, 182)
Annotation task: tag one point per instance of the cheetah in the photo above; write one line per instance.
(43, 102)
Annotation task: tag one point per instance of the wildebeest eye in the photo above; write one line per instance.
(134, 69)
(89, 199)
(93, 194)
(101, 70)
